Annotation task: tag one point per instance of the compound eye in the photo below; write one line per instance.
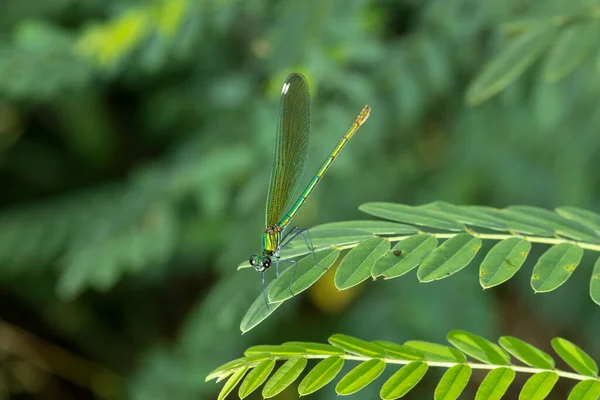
(267, 263)
(252, 260)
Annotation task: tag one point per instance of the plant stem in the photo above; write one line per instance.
(492, 236)
(484, 236)
(516, 368)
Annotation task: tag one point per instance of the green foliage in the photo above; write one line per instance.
(453, 382)
(135, 146)
(372, 256)
(374, 358)
(570, 34)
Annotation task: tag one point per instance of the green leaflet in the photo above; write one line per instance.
(453, 382)
(323, 373)
(231, 365)
(403, 380)
(469, 215)
(256, 377)
(503, 261)
(584, 217)
(276, 350)
(225, 376)
(557, 223)
(526, 353)
(555, 266)
(452, 256)
(413, 250)
(359, 377)
(258, 311)
(284, 376)
(523, 222)
(326, 237)
(538, 386)
(495, 384)
(232, 383)
(595, 283)
(373, 227)
(577, 359)
(411, 215)
(317, 348)
(572, 45)
(585, 390)
(356, 346)
(306, 274)
(478, 347)
(516, 222)
(437, 352)
(356, 266)
(400, 352)
(507, 66)
(419, 355)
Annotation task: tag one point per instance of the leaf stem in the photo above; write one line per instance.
(516, 368)
(492, 236)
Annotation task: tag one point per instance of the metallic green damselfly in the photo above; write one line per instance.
(289, 161)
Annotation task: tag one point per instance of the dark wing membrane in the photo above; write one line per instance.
(291, 147)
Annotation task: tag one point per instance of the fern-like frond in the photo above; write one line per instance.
(438, 240)
(415, 359)
(565, 39)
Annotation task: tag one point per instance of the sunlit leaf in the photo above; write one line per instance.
(323, 373)
(585, 390)
(526, 353)
(576, 358)
(495, 384)
(538, 386)
(359, 377)
(230, 366)
(403, 380)
(453, 382)
(317, 348)
(232, 383)
(284, 376)
(400, 352)
(437, 352)
(256, 377)
(278, 350)
(478, 347)
(356, 346)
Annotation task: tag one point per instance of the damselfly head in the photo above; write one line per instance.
(260, 263)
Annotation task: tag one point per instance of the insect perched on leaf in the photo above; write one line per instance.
(289, 161)
(397, 253)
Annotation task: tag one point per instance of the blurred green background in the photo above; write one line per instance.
(135, 151)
